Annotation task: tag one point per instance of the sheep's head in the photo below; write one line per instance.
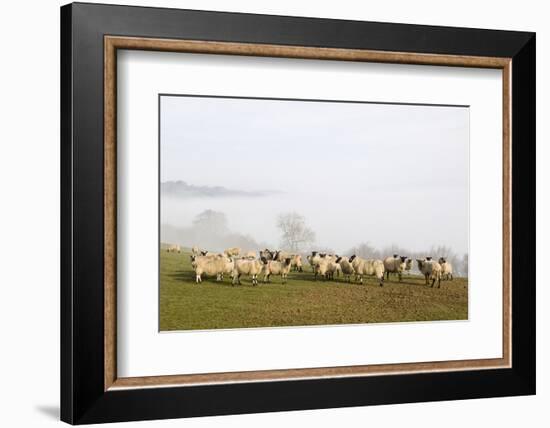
(408, 264)
(288, 260)
(352, 258)
(338, 259)
(395, 256)
(429, 259)
(442, 260)
(313, 253)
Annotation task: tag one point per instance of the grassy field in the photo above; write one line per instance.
(185, 305)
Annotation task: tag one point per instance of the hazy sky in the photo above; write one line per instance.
(379, 173)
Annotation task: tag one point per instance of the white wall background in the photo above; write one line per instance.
(29, 180)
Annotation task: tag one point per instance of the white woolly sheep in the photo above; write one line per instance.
(173, 248)
(313, 260)
(346, 267)
(233, 251)
(274, 267)
(215, 265)
(446, 269)
(297, 262)
(251, 268)
(367, 267)
(251, 255)
(333, 267)
(396, 264)
(431, 270)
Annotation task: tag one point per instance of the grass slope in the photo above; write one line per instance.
(185, 305)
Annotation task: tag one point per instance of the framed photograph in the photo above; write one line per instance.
(266, 213)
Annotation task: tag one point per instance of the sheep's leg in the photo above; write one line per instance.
(400, 276)
(382, 281)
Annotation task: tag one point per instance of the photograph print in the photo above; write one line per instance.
(293, 212)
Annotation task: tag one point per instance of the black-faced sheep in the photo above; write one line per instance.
(396, 264)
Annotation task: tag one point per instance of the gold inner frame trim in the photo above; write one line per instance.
(113, 43)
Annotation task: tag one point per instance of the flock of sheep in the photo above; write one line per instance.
(279, 263)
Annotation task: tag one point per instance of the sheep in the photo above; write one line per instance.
(345, 267)
(431, 270)
(332, 266)
(319, 262)
(195, 251)
(228, 267)
(267, 254)
(251, 268)
(313, 260)
(275, 267)
(321, 266)
(396, 264)
(367, 267)
(251, 255)
(446, 269)
(233, 251)
(281, 255)
(297, 262)
(211, 266)
(206, 253)
(325, 265)
(173, 248)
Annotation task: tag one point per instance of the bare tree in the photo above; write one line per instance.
(365, 250)
(294, 232)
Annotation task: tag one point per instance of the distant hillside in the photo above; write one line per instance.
(181, 189)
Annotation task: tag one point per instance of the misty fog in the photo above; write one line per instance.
(359, 173)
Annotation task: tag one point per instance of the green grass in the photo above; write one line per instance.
(185, 305)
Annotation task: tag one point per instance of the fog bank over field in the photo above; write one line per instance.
(383, 174)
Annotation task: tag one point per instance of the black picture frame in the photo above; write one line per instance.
(83, 398)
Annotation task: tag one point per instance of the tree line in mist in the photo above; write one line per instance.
(209, 230)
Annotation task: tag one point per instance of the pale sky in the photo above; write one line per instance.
(379, 173)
